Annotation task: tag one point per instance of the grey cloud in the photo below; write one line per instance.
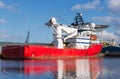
(9, 7)
(108, 19)
(114, 6)
(2, 5)
(89, 5)
(109, 36)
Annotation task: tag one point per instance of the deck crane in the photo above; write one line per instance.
(58, 31)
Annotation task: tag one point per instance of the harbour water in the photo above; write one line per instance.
(93, 68)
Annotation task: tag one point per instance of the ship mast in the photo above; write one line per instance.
(27, 38)
(78, 21)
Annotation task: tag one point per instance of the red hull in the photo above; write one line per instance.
(36, 51)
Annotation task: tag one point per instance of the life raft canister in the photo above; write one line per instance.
(93, 37)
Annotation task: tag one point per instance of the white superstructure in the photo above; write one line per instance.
(78, 35)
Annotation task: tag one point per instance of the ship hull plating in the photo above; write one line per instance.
(47, 52)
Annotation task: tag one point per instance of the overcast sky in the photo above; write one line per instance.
(17, 17)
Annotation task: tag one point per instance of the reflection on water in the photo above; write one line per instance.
(58, 69)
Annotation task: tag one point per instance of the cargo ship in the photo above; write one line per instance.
(79, 39)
